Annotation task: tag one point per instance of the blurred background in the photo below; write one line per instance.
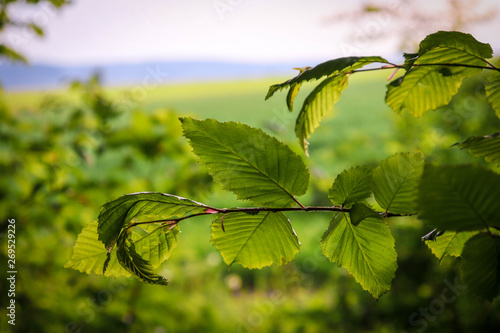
(91, 92)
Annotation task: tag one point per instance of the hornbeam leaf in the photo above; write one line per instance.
(324, 96)
(89, 255)
(366, 251)
(155, 242)
(360, 212)
(456, 40)
(420, 90)
(134, 263)
(492, 87)
(255, 240)
(451, 243)
(429, 83)
(141, 207)
(487, 146)
(350, 186)
(395, 182)
(248, 162)
(317, 104)
(328, 68)
(459, 197)
(481, 266)
(292, 93)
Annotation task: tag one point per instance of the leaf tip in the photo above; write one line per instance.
(106, 262)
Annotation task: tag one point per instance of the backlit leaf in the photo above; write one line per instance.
(451, 243)
(134, 263)
(428, 83)
(292, 93)
(89, 255)
(154, 242)
(366, 251)
(141, 207)
(255, 240)
(456, 40)
(492, 88)
(328, 68)
(248, 162)
(395, 182)
(421, 90)
(487, 146)
(351, 186)
(320, 101)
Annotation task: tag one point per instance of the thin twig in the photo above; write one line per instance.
(224, 211)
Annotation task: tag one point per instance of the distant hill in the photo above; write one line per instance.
(41, 77)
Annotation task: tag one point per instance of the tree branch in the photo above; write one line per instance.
(212, 210)
(392, 66)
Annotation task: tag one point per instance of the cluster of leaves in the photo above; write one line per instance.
(135, 233)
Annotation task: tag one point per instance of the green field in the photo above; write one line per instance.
(61, 160)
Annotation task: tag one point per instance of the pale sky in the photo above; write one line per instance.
(90, 32)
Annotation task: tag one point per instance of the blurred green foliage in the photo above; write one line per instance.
(61, 159)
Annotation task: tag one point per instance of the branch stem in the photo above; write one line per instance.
(392, 66)
(224, 211)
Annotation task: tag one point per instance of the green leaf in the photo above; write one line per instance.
(36, 29)
(421, 90)
(459, 197)
(328, 68)
(89, 255)
(451, 243)
(492, 88)
(324, 96)
(292, 93)
(429, 83)
(317, 104)
(9, 53)
(255, 240)
(351, 186)
(155, 242)
(134, 263)
(395, 182)
(455, 40)
(248, 162)
(360, 212)
(481, 266)
(141, 207)
(487, 146)
(366, 251)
